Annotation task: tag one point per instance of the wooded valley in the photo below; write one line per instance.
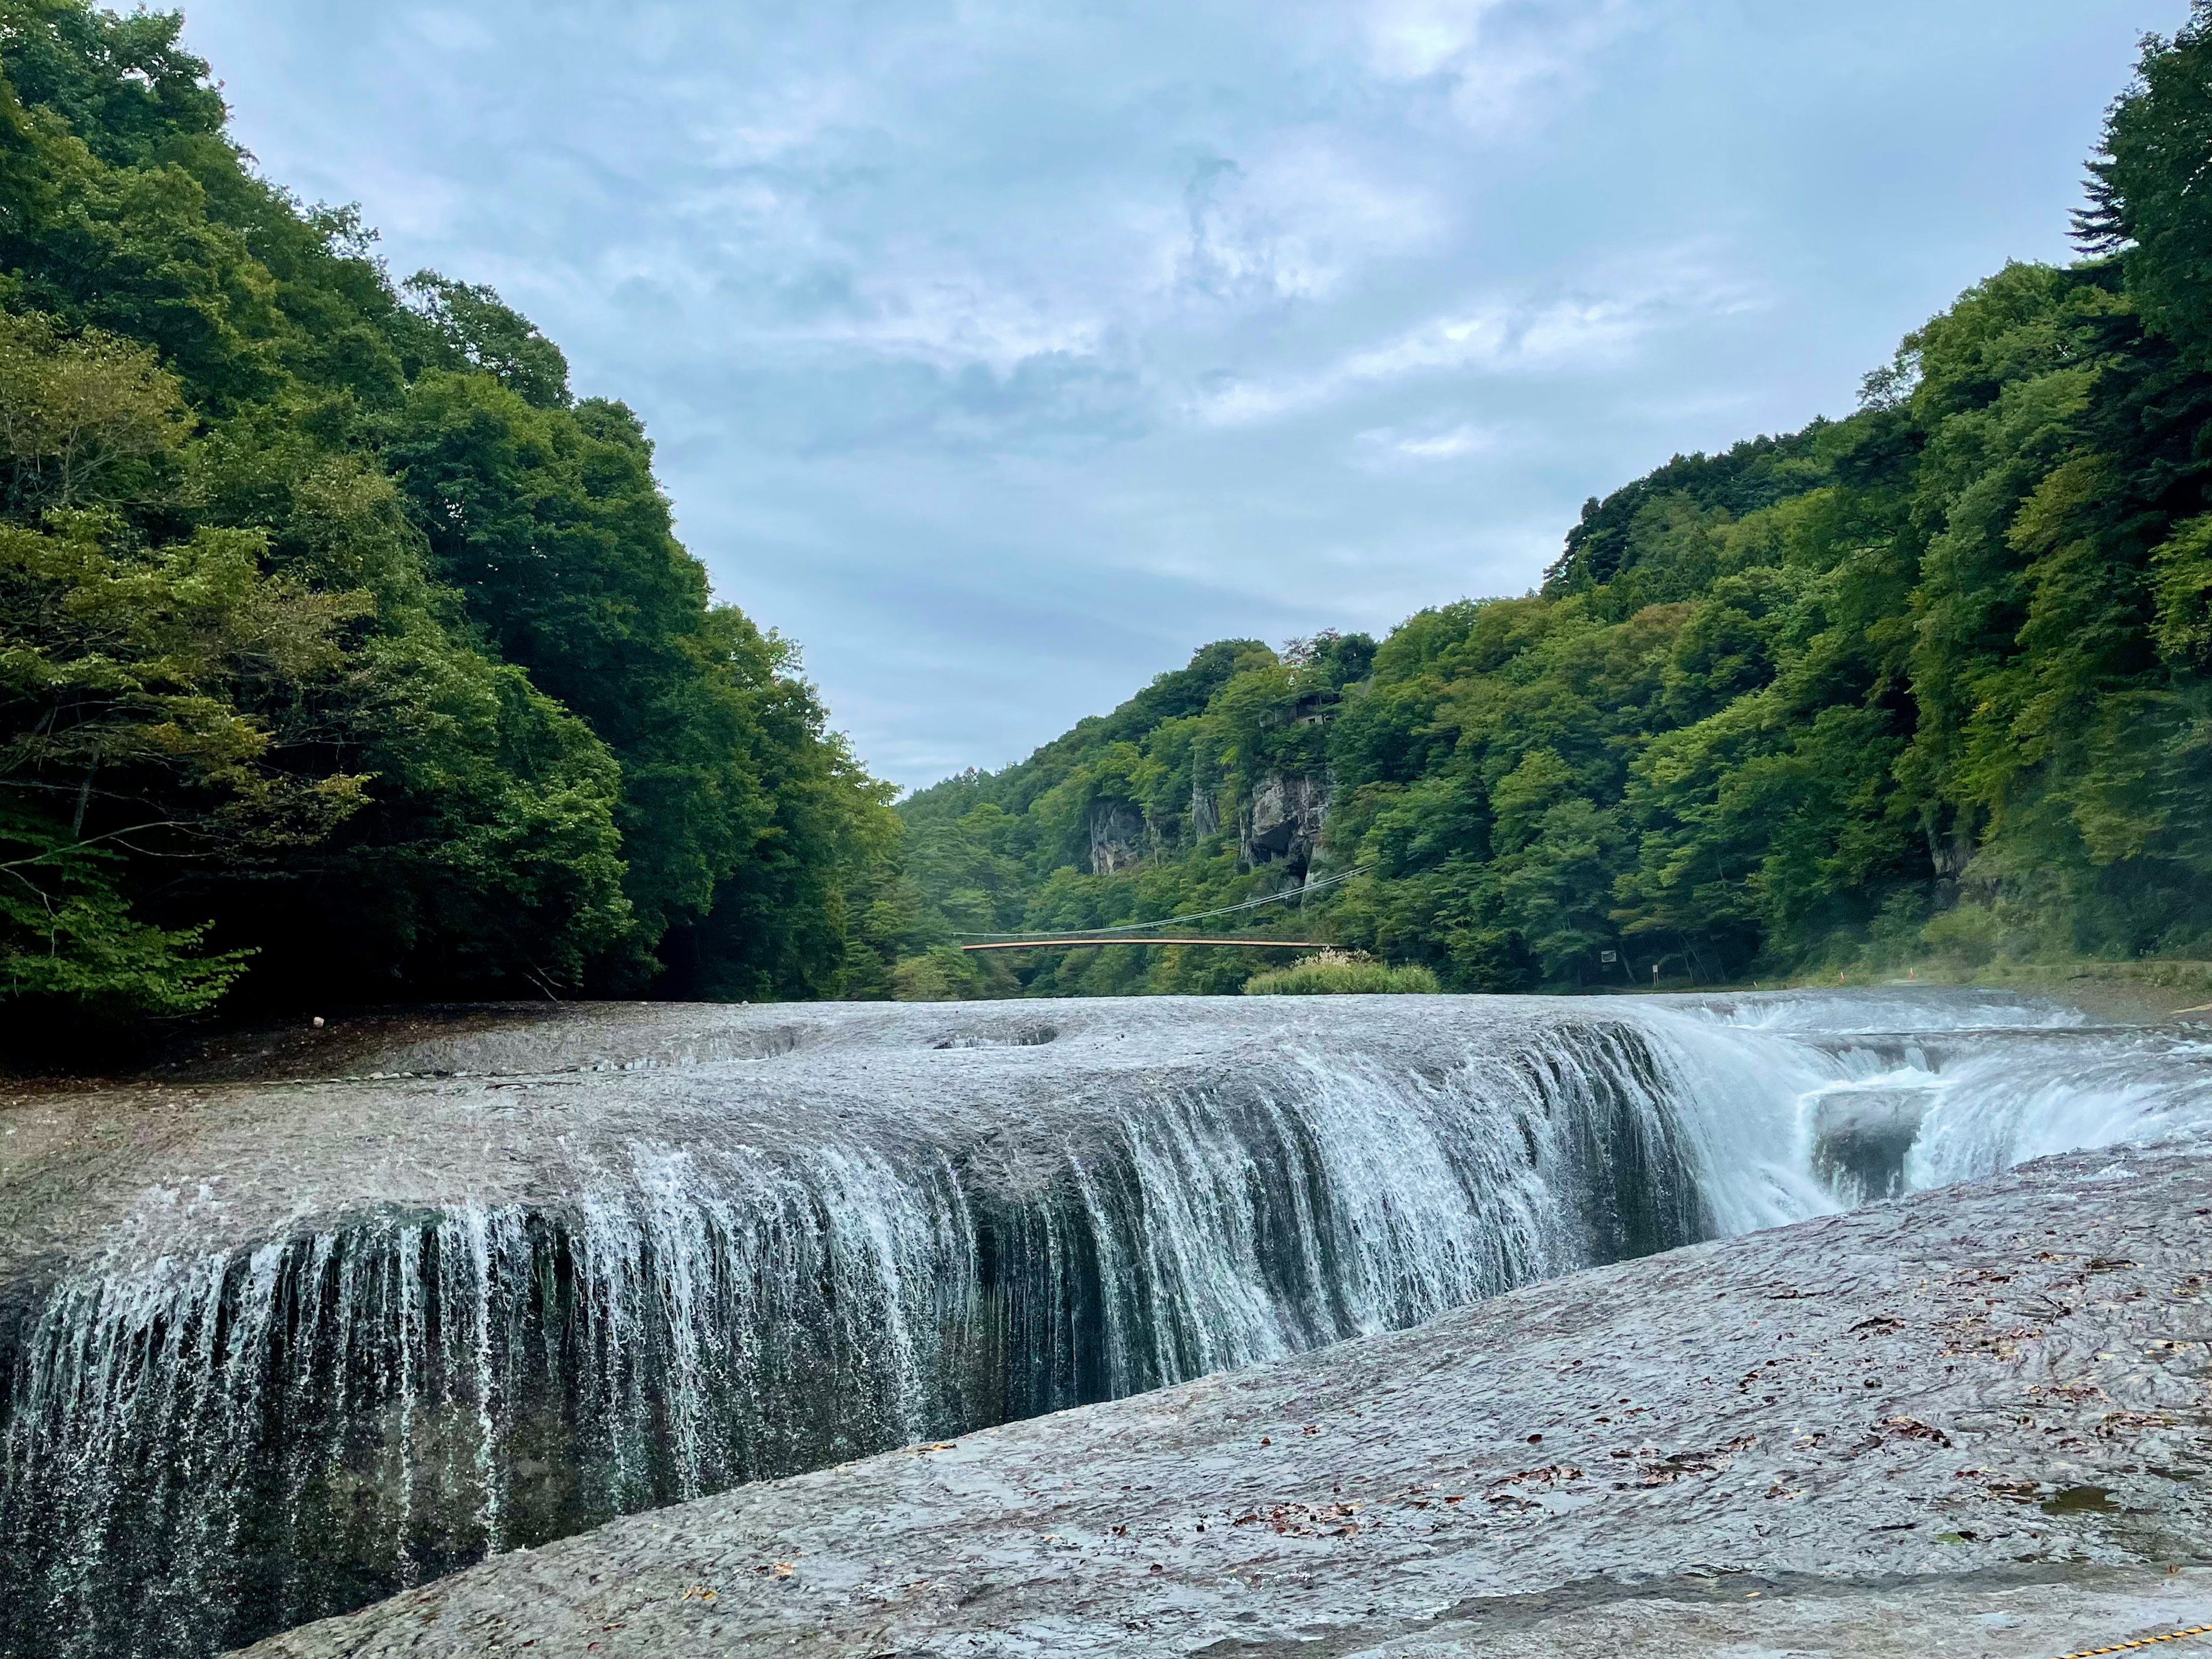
(346, 654)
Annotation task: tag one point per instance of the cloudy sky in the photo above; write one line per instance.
(1003, 351)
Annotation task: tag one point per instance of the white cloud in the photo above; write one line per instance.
(1503, 336)
(1294, 222)
(1387, 445)
(1413, 38)
(1495, 339)
(773, 122)
(1494, 56)
(955, 323)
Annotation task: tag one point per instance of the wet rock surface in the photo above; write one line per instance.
(1975, 1421)
(326, 1314)
(275, 1347)
(520, 1103)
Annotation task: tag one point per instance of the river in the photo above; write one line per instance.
(278, 1347)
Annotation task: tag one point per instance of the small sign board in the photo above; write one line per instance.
(1608, 958)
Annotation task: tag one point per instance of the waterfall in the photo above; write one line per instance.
(1799, 1104)
(202, 1447)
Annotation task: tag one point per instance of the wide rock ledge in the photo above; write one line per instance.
(1977, 1421)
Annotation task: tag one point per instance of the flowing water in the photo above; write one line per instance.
(714, 1261)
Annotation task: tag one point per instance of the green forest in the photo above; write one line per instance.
(344, 652)
(1933, 681)
(348, 654)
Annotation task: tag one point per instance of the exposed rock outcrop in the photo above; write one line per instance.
(1117, 838)
(1284, 821)
(1205, 813)
(1975, 1422)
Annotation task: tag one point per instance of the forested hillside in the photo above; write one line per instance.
(344, 651)
(1934, 679)
(347, 653)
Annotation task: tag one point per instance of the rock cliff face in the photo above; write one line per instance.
(1975, 1422)
(1205, 813)
(1284, 821)
(1117, 838)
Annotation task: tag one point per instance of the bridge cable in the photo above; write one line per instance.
(1194, 916)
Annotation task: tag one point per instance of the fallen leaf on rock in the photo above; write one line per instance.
(1550, 1474)
(2115, 1421)
(2067, 1390)
(1911, 1428)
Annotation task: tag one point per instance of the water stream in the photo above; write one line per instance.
(201, 1446)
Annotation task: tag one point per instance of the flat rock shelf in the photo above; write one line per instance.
(1971, 1422)
(336, 1313)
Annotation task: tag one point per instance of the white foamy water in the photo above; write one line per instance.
(1805, 1102)
(784, 1254)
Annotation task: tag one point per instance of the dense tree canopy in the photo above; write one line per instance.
(1935, 678)
(344, 651)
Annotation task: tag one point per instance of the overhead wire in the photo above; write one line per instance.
(1288, 893)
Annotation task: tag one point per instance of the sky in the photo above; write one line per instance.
(1002, 353)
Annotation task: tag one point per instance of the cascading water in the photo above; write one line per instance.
(1827, 1101)
(205, 1444)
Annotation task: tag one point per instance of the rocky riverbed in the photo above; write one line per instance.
(276, 1345)
(338, 1311)
(1974, 1422)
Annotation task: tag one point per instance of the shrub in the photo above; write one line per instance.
(1341, 973)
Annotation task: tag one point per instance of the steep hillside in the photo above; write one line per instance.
(344, 651)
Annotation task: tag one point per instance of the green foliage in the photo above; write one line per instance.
(1146, 813)
(2147, 187)
(469, 328)
(342, 651)
(1936, 678)
(549, 522)
(1341, 973)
